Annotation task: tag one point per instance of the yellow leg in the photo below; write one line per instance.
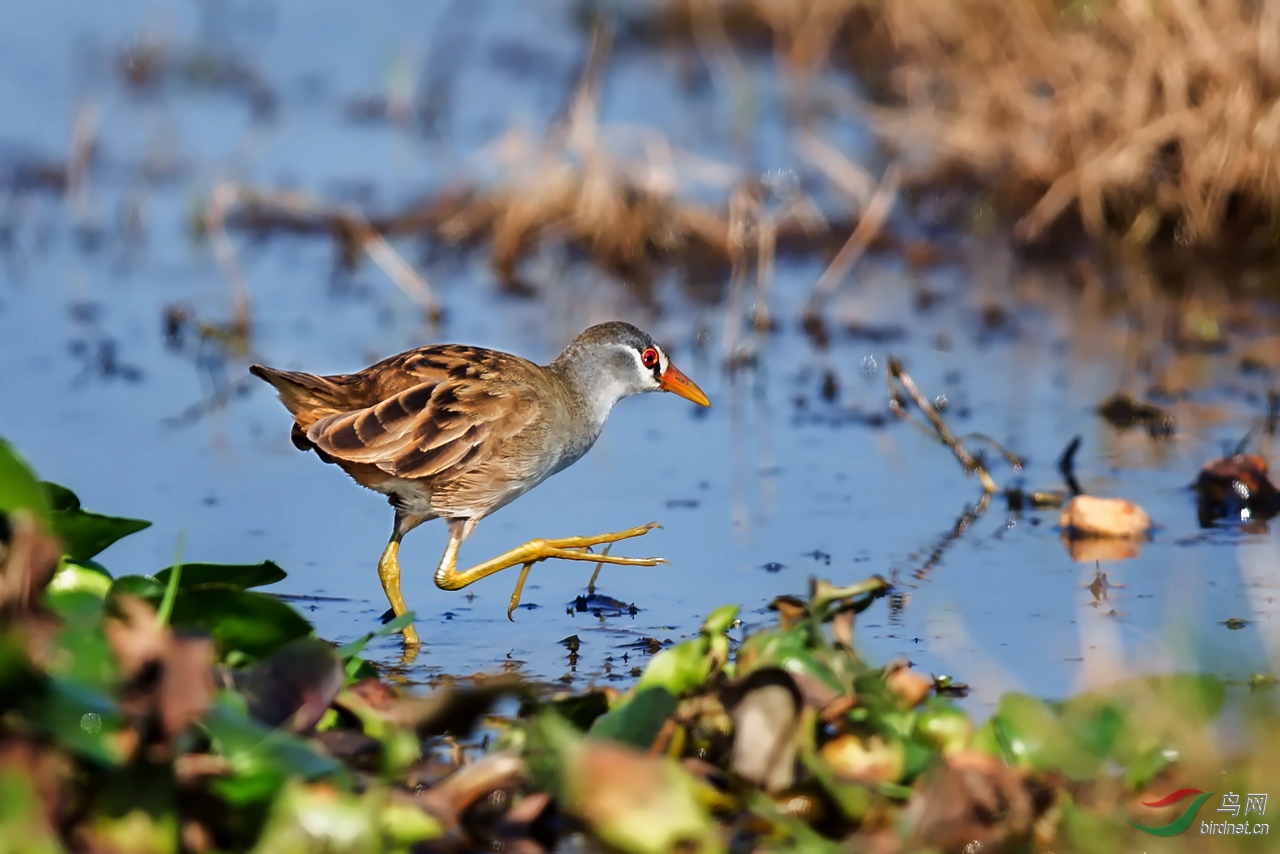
(449, 577)
(515, 596)
(389, 573)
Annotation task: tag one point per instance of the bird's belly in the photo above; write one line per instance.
(476, 493)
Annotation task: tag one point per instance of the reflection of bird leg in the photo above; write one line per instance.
(591, 585)
(449, 577)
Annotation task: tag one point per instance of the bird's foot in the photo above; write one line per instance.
(579, 548)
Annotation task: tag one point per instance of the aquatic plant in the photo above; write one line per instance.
(188, 710)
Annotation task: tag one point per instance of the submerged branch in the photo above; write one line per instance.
(896, 375)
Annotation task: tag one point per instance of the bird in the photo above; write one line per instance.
(456, 432)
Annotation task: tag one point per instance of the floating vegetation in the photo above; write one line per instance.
(189, 710)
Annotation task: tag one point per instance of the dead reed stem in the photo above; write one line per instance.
(869, 226)
(896, 376)
(1139, 121)
(223, 198)
(347, 220)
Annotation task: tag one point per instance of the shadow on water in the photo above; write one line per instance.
(123, 375)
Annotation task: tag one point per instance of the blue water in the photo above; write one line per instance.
(772, 485)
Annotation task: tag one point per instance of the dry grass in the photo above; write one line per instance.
(1148, 121)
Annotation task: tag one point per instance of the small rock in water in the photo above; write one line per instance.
(1090, 516)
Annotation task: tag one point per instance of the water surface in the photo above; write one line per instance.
(772, 485)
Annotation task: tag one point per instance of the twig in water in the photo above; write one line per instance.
(1014, 460)
(1067, 466)
(896, 374)
(869, 225)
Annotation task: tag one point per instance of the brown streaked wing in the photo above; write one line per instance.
(431, 429)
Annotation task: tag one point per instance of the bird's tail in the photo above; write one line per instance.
(304, 395)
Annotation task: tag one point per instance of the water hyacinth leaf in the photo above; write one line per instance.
(75, 605)
(581, 710)
(406, 824)
(638, 721)
(864, 760)
(1089, 832)
(19, 488)
(85, 655)
(798, 835)
(943, 725)
(1148, 766)
(671, 674)
(853, 800)
(84, 534)
(686, 666)
(261, 759)
(22, 814)
(353, 648)
(238, 620)
(142, 586)
(306, 818)
(677, 670)
(135, 813)
(80, 576)
(1036, 737)
(240, 576)
(1152, 712)
(1096, 726)
(19, 679)
(790, 650)
(79, 718)
(400, 745)
(630, 801)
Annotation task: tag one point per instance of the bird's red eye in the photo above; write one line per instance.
(649, 357)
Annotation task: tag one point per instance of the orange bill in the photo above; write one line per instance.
(674, 381)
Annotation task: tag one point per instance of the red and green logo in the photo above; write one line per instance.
(1183, 821)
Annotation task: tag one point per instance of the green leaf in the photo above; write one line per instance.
(630, 801)
(637, 721)
(143, 586)
(679, 669)
(80, 576)
(1148, 766)
(241, 576)
(261, 759)
(353, 648)
(581, 710)
(720, 620)
(84, 534)
(944, 725)
(238, 620)
(76, 606)
(84, 656)
(77, 717)
(22, 814)
(19, 488)
(1036, 737)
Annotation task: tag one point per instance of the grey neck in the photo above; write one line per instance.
(594, 389)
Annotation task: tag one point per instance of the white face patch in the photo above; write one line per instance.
(647, 372)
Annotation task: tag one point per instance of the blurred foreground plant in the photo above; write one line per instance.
(188, 711)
